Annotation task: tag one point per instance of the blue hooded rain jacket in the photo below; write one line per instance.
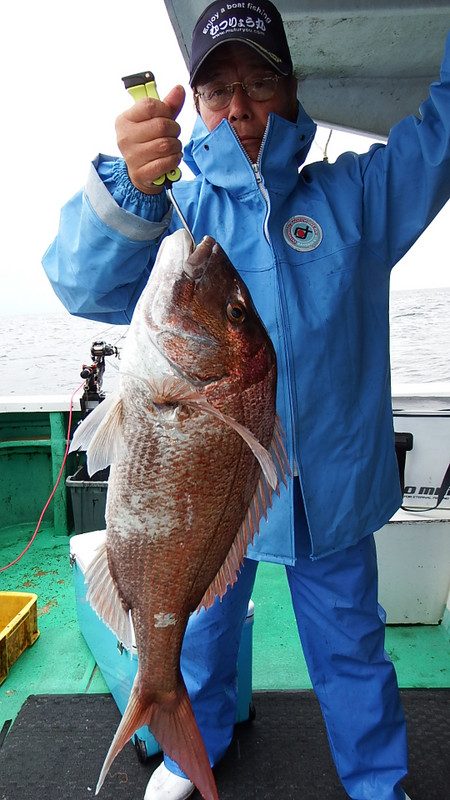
(320, 284)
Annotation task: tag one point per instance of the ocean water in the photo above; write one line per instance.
(45, 354)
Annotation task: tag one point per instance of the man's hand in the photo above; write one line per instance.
(147, 136)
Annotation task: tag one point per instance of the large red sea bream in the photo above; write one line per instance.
(196, 452)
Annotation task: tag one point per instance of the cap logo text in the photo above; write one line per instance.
(249, 23)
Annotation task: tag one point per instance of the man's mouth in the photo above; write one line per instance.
(251, 145)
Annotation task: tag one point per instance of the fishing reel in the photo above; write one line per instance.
(93, 375)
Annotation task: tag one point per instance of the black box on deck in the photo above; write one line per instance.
(88, 495)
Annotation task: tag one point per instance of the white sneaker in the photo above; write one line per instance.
(165, 785)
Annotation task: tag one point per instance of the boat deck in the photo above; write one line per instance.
(60, 662)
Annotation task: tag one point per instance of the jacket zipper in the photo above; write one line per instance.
(265, 194)
(259, 179)
(290, 387)
(260, 182)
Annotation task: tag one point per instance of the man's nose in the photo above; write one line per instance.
(240, 105)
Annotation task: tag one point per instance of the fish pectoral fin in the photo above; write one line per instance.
(183, 394)
(174, 390)
(170, 390)
(279, 454)
(259, 505)
(104, 597)
(100, 434)
(265, 459)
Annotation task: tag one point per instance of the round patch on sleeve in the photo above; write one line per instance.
(302, 233)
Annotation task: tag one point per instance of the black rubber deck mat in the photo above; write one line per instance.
(56, 747)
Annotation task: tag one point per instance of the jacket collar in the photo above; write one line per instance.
(220, 158)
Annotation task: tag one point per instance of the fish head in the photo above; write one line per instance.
(201, 317)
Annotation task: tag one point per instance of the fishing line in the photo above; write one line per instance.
(101, 334)
(58, 479)
(169, 194)
(122, 335)
(114, 366)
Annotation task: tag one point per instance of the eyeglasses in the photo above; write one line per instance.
(218, 95)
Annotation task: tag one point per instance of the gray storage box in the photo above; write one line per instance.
(88, 499)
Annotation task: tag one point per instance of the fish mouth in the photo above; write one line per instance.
(197, 263)
(195, 335)
(190, 274)
(175, 325)
(194, 271)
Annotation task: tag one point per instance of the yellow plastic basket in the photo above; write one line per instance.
(18, 627)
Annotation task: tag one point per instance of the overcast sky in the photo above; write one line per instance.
(61, 65)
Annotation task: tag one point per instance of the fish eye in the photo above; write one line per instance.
(236, 313)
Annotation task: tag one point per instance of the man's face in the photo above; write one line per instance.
(238, 62)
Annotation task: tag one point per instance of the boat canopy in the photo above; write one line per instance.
(362, 65)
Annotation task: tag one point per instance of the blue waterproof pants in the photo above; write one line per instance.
(342, 635)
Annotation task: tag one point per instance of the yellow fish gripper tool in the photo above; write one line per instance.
(139, 86)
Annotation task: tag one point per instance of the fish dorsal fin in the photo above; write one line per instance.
(103, 595)
(259, 505)
(173, 390)
(100, 434)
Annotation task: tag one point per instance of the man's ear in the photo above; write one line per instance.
(195, 98)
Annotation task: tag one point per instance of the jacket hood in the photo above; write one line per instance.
(218, 154)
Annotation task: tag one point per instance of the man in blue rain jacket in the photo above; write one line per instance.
(315, 247)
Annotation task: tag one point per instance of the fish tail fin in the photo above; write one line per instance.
(174, 726)
(135, 715)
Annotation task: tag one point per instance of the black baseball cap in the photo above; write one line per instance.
(258, 24)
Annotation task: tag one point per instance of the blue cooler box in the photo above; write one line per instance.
(118, 666)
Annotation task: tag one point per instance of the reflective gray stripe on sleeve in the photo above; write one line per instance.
(117, 218)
